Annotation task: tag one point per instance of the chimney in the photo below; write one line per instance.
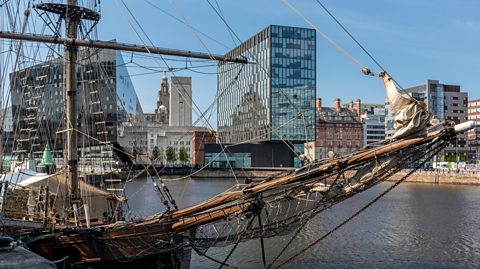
(318, 103)
(350, 105)
(358, 107)
(336, 104)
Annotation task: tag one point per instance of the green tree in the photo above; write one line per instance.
(183, 155)
(155, 154)
(171, 155)
(135, 153)
(161, 155)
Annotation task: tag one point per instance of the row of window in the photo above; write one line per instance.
(376, 132)
(471, 104)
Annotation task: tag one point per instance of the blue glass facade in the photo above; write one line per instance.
(273, 99)
(433, 95)
(293, 84)
(436, 97)
(128, 105)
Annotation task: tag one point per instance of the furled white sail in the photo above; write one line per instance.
(411, 115)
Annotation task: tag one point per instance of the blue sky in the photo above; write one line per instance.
(414, 40)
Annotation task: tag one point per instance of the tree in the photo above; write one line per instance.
(183, 155)
(171, 155)
(161, 155)
(135, 153)
(155, 154)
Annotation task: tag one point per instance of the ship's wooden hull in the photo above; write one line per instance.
(148, 245)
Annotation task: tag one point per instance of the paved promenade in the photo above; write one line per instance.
(441, 177)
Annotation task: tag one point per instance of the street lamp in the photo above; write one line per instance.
(457, 158)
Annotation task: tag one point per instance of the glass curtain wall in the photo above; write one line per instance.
(293, 83)
(274, 97)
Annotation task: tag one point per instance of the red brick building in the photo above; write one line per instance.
(338, 129)
(199, 139)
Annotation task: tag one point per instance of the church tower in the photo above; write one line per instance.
(163, 99)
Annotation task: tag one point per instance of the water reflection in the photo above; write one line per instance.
(414, 226)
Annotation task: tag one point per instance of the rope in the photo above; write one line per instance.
(262, 245)
(182, 94)
(179, 20)
(61, 260)
(236, 244)
(337, 47)
(436, 150)
(264, 70)
(209, 257)
(312, 214)
(355, 40)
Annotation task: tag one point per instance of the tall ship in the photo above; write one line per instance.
(63, 218)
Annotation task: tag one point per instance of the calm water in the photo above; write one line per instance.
(414, 226)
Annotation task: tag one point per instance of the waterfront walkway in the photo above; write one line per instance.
(441, 177)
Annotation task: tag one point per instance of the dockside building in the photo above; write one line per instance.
(271, 100)
(106, 103)
(446, 102)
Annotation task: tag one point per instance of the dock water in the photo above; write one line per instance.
(14, 256)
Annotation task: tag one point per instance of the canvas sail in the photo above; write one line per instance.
(411, 117)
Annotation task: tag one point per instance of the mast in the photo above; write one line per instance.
(73, 14)
(72, 21)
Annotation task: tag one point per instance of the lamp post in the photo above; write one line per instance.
(456, 154)
(477, 157)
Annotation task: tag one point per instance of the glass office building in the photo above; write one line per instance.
(271, 99)
(432, 94)
(436, 96)
(106, 103)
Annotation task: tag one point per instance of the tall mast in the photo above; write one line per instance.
(73, 14)
(72, 21)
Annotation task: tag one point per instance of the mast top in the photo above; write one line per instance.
(65, 10)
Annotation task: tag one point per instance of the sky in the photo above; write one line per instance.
(414, 40)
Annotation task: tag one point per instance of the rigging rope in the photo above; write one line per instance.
(239, 239)
(263, 69)
(432, 152)
(221, 13)
(365, 70)
(204, 254)
(337, 47)
(313, 214)
(355, 40)
(4, 2)
(195, 107)
(179, 20)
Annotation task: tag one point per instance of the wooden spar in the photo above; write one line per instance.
(118, 46)
(208, 217)
(348, 161)
(368, 155)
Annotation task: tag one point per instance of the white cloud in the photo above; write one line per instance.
(471, 25)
